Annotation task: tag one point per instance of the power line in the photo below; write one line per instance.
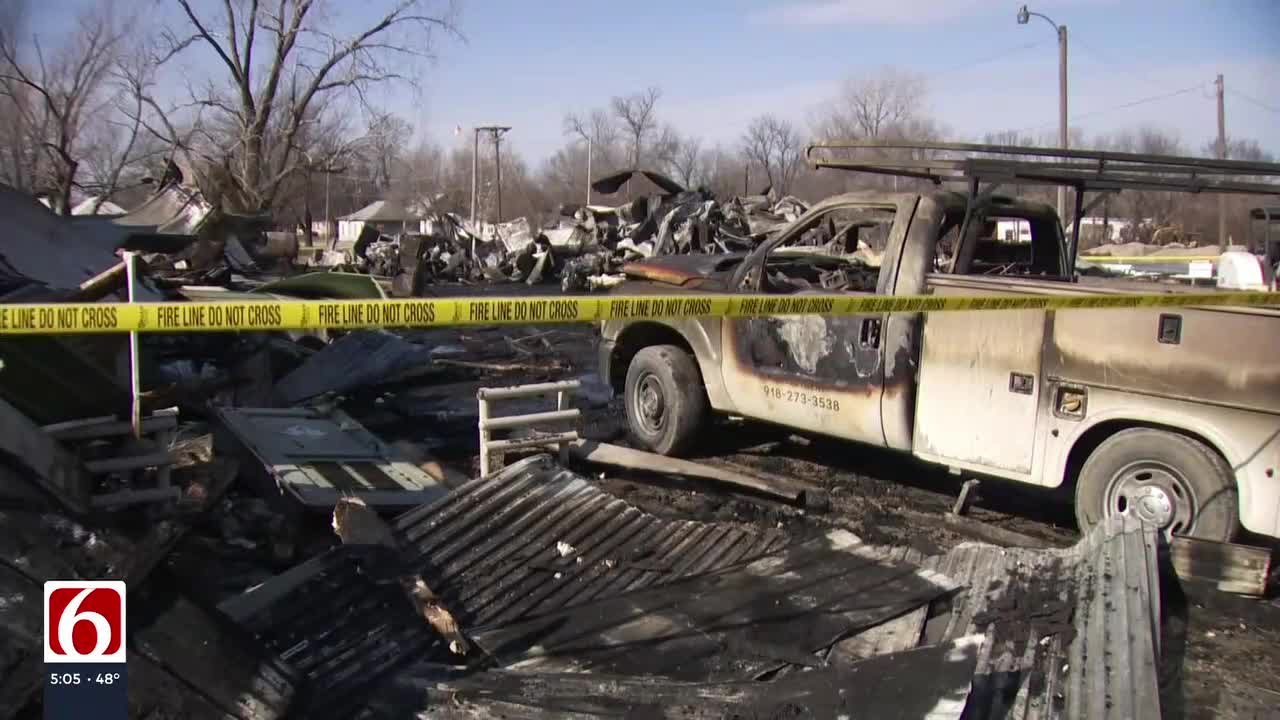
(1123, 106)
(990, 58)
(1253, 100)
(1114, 65)
(1142, 101)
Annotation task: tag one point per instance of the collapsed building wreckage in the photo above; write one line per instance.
(588, 246)
(480, 589)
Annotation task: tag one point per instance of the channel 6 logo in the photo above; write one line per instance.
(84, 621)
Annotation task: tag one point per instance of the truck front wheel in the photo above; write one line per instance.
(665, 401)
(1172, 481)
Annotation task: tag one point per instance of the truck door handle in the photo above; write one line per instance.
(869, 335)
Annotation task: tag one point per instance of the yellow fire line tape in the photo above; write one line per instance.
(55, 319)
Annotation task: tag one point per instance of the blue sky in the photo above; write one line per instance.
(719, 63)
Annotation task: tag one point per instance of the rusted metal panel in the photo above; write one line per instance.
(694, 270)
(1070, 633)
(490, 550)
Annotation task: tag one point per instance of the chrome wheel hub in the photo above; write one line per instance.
(650, 404)
(1154, 493)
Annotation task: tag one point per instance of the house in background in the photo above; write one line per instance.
(387, 216)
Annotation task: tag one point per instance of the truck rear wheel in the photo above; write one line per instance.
(665, 400)
(1172, 481)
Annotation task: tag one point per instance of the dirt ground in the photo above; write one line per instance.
(1232, 658)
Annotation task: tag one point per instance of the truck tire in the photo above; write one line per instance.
(665, 400)
(1169, 480)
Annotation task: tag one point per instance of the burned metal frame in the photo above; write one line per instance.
(1087, 169)
(1084, 170)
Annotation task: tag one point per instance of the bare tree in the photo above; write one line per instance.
(599, 130)
(124, 153)
(662, 149)
(265, 103)
(1245, 149)
(638, 116)
(686, 161)
(774, 145)
(1147, 210)
(387, 137)
(873, 106)
(52, 96)
(725, 172)
(421, 173)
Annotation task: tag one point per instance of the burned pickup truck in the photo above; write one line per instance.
(1171, 414)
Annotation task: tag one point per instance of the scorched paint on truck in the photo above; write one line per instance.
(1172, 414)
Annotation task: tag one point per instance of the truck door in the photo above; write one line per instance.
(978, 399)
(821, 373)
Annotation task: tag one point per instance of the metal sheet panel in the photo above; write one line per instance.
(741, 623)
(489, 549)
(887, 687)
(1103, 666)
(319, 457)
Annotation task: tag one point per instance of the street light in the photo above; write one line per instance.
(1024, 17)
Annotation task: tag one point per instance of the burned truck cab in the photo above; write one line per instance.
(1161, 409)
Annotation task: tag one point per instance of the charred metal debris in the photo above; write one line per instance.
(583, 251)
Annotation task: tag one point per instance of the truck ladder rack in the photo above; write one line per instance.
(1084, 170)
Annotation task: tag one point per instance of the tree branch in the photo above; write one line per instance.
(203, 33)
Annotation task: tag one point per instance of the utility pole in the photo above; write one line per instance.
(496, 131)
(588, 169)
(497, 169)
(475, 165)
(1222, 155)
(330, 226)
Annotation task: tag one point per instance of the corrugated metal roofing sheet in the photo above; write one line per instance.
(1104, 666)
(489, 549)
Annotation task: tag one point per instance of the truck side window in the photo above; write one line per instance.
(1003, 245)
(840, 251)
